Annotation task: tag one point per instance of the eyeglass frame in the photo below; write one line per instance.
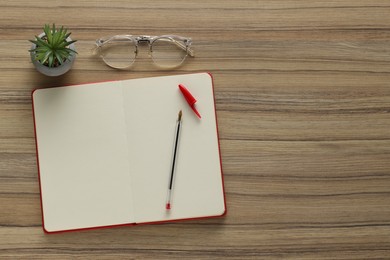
(137, 39)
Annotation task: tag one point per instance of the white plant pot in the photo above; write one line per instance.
(56, 71)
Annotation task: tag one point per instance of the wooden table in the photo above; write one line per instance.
(303, 101)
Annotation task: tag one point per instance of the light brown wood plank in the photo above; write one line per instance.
(303, 103)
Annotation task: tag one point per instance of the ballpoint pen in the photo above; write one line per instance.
(174, 159)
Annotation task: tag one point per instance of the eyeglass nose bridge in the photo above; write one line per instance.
(143, 38)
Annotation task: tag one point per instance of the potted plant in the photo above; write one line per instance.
(53, 51)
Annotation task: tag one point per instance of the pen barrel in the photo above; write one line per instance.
(175, 152)
(174, 160)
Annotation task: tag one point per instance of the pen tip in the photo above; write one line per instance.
(168, 206)
(180, 114)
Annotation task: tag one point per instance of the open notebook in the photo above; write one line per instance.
(105, 151)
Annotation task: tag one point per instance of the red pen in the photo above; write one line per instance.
(190, 98)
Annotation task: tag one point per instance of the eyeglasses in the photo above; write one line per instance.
(167, 51)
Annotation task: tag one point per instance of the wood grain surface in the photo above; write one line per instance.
(303, 102)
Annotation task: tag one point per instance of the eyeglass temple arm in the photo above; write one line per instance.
(187, 48)
(95, 48)
(98, 43)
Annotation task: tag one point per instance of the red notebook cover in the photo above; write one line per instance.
(104, 153)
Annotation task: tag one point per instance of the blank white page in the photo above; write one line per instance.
(83, 156)
(152, 106)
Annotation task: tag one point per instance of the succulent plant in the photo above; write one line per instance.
(52, 49)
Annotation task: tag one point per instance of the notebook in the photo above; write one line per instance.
(104, 153)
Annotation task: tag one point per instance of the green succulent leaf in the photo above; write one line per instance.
(53, 48)
(51, 60)
(41, 42)
(67, 35)
(45, 57)
(48, 33)
(59, 58)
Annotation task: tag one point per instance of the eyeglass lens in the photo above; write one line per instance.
(166, 53)
(119, 53)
